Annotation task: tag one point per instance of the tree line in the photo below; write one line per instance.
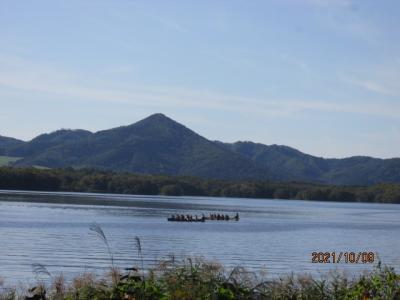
(91, 180)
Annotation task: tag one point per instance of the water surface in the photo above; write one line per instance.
(276, 236)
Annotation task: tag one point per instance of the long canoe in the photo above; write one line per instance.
(209, 218)
(216, 219)
(185, 220)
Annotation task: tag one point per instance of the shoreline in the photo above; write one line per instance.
(199, 279)
(108, 182)
(127, 200)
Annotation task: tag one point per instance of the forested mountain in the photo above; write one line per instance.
(44, 142)
(159, 145)
(285, 162)
(7, 143)
(289, 164)
(155, 145)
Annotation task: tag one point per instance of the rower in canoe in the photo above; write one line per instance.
(183, 218)
(211, 217)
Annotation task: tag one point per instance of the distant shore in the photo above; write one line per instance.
(97, 181)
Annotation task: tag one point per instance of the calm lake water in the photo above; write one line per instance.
(276, 236)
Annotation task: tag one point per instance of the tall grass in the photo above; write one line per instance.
(98, 231)
(195, 278)
(199, 279)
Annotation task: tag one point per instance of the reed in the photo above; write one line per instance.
(138, 245)
(98, 231)
(199, 279)
(196, 278)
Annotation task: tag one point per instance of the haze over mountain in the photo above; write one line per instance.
(159, 145)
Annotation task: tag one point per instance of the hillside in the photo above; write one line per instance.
(8, 143)
(159, 145)
(155, 145)
(289, 164)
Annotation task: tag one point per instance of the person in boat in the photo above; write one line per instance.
(226, 217)
(237, 216)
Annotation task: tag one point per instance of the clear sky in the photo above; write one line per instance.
(322, 76)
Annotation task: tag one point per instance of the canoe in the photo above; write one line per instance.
(208, 218)
(216, 219)
(185, 220)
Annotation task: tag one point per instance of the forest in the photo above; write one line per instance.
(98, 181)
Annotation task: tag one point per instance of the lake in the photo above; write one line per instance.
(274, 236)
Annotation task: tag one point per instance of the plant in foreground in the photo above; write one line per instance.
(192, 279)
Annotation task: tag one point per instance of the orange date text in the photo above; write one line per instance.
(343, 257)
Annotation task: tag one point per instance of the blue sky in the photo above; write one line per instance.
(322, 76)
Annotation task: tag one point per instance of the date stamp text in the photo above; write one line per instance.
(343, 257)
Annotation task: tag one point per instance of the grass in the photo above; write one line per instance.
(198, 279)
(192, 279)
(6, 160)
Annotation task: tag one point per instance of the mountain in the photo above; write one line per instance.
(8, 143)
(155, 145)
(44, 142)
(285, 162)
(159, 145)
(289, 164)
(363, 170)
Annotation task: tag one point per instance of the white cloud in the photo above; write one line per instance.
(381, 79)
(24, 75)
(374, 87)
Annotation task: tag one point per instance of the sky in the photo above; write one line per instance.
(322, 76)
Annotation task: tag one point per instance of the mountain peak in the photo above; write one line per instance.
(158, 117)
(160, 122)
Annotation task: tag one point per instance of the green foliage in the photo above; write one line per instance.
(88, 180)
(384, 283)
(288, 164)
(155, 145)
(172, 190)
(159, 145)
(7, 160)
(198, 279)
